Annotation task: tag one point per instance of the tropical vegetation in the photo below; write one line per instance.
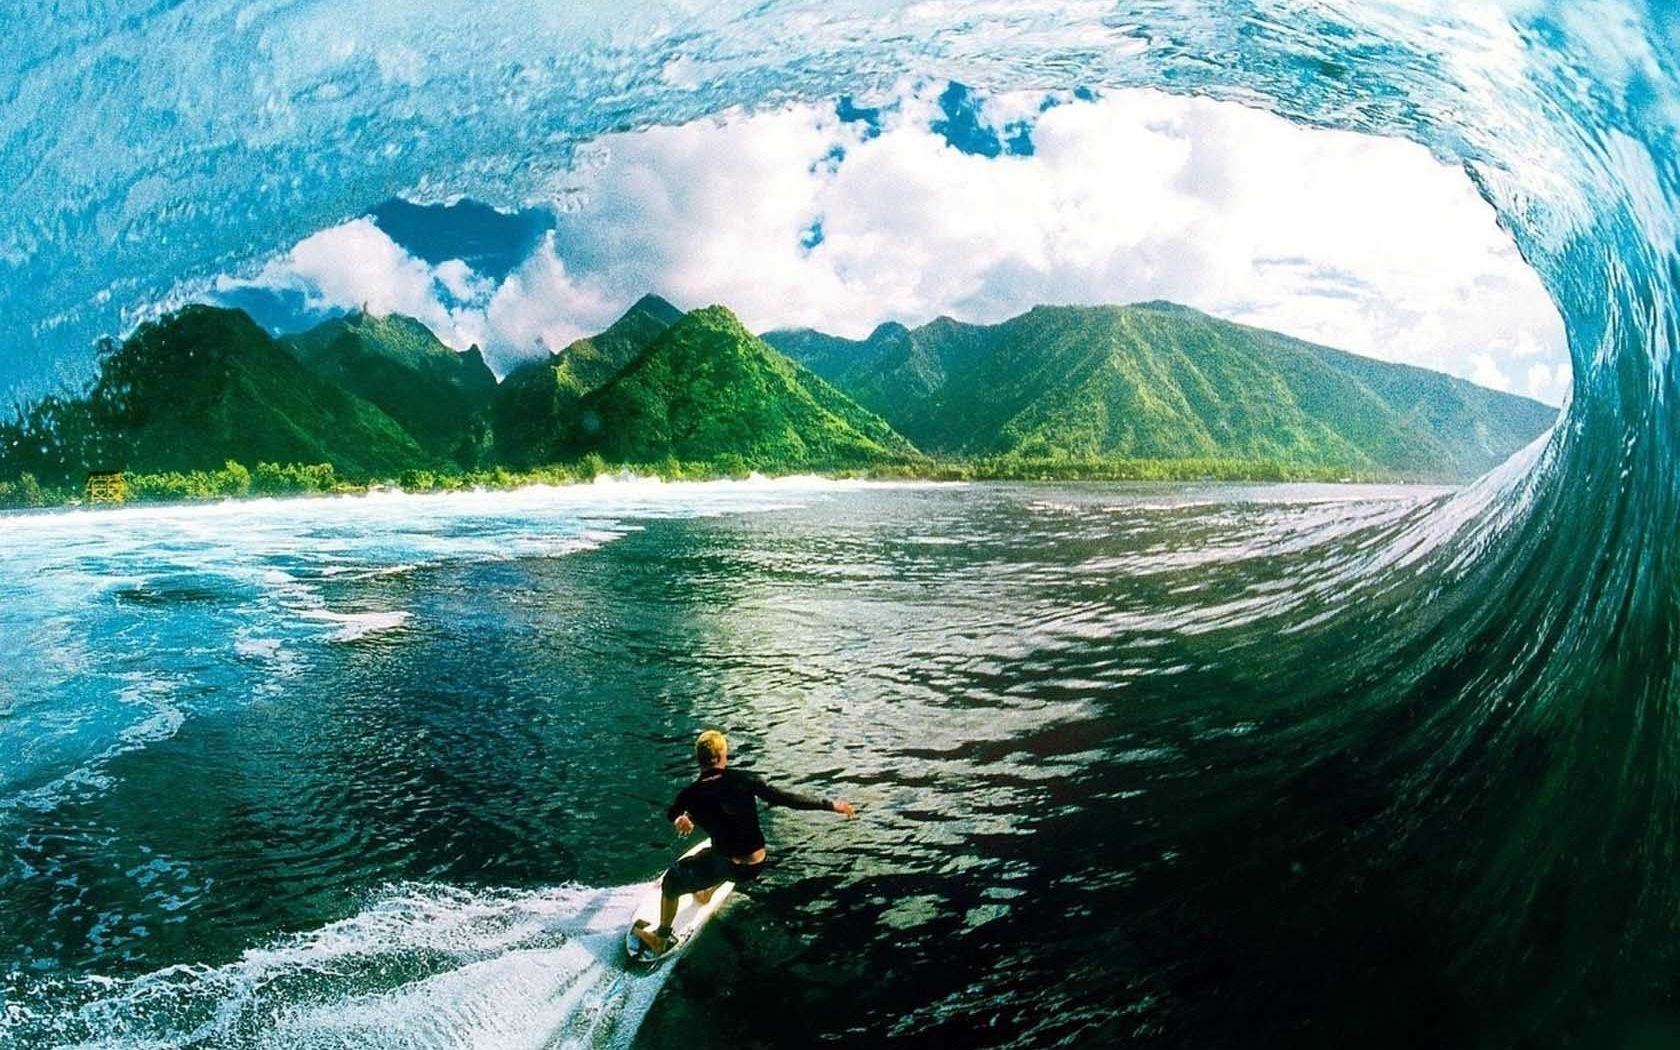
(1162, 381)
(205, 404)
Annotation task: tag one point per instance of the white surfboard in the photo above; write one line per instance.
(690, 917)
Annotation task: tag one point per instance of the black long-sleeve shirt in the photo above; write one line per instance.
(724, 802)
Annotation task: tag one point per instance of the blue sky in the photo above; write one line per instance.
(939, 199)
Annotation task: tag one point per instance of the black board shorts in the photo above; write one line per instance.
(705, 870)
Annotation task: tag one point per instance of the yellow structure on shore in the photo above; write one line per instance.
(106, 486)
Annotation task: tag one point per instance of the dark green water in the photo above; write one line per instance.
(369, 773)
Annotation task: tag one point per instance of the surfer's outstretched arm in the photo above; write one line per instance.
(776, 796)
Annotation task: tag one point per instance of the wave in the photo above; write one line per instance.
(1511, 706)
(358, 625)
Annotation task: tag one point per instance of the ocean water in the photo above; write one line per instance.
(1395, 771)
(389, 770)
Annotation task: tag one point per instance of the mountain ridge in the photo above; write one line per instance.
(1163, 380)
(534, 404)
(707, 384)
(396, 363)
(199, 387)
(1055, 389)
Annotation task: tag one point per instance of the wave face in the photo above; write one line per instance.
(1508, 711)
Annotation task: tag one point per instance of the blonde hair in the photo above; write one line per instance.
(709, 747)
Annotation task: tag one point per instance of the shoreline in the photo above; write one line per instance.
(235, 484)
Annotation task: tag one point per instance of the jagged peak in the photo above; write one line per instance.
(204, 310)
(656, 306)
(946, 321)
(716, 314)
(391, 320)
(195, 317)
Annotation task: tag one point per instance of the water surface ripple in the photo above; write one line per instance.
(409, 733)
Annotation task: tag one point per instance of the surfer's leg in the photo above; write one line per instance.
(661, 940)
(678, 880)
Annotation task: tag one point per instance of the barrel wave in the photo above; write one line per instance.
(1453, 816)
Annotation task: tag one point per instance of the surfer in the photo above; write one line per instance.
(724, 803)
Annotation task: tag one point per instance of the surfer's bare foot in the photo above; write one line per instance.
(658, 941)
(704, 897)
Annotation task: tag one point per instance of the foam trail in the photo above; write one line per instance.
(424, 966)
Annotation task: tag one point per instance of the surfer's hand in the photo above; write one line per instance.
(845, 809)
(684, 825)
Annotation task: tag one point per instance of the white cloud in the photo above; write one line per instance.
(1362, 243)
(1486, 371)
(540, 308)
(1548, 383)
(355, 264)
(460, 280)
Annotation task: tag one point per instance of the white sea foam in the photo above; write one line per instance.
(423, 966)
(358, 625)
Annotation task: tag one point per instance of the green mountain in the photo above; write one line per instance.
(538, 401)
(707, 390)
(894, 368)
(203, 386)
(374, 397)
(1162, 381)
(439, 395)
(1478, 428)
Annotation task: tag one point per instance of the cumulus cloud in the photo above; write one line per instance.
(358, 261)
(1549, 383)
(535, 307)
(356, 264)
(1362, 243)
(801, 218)
(540, 307)
(1486, 371)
